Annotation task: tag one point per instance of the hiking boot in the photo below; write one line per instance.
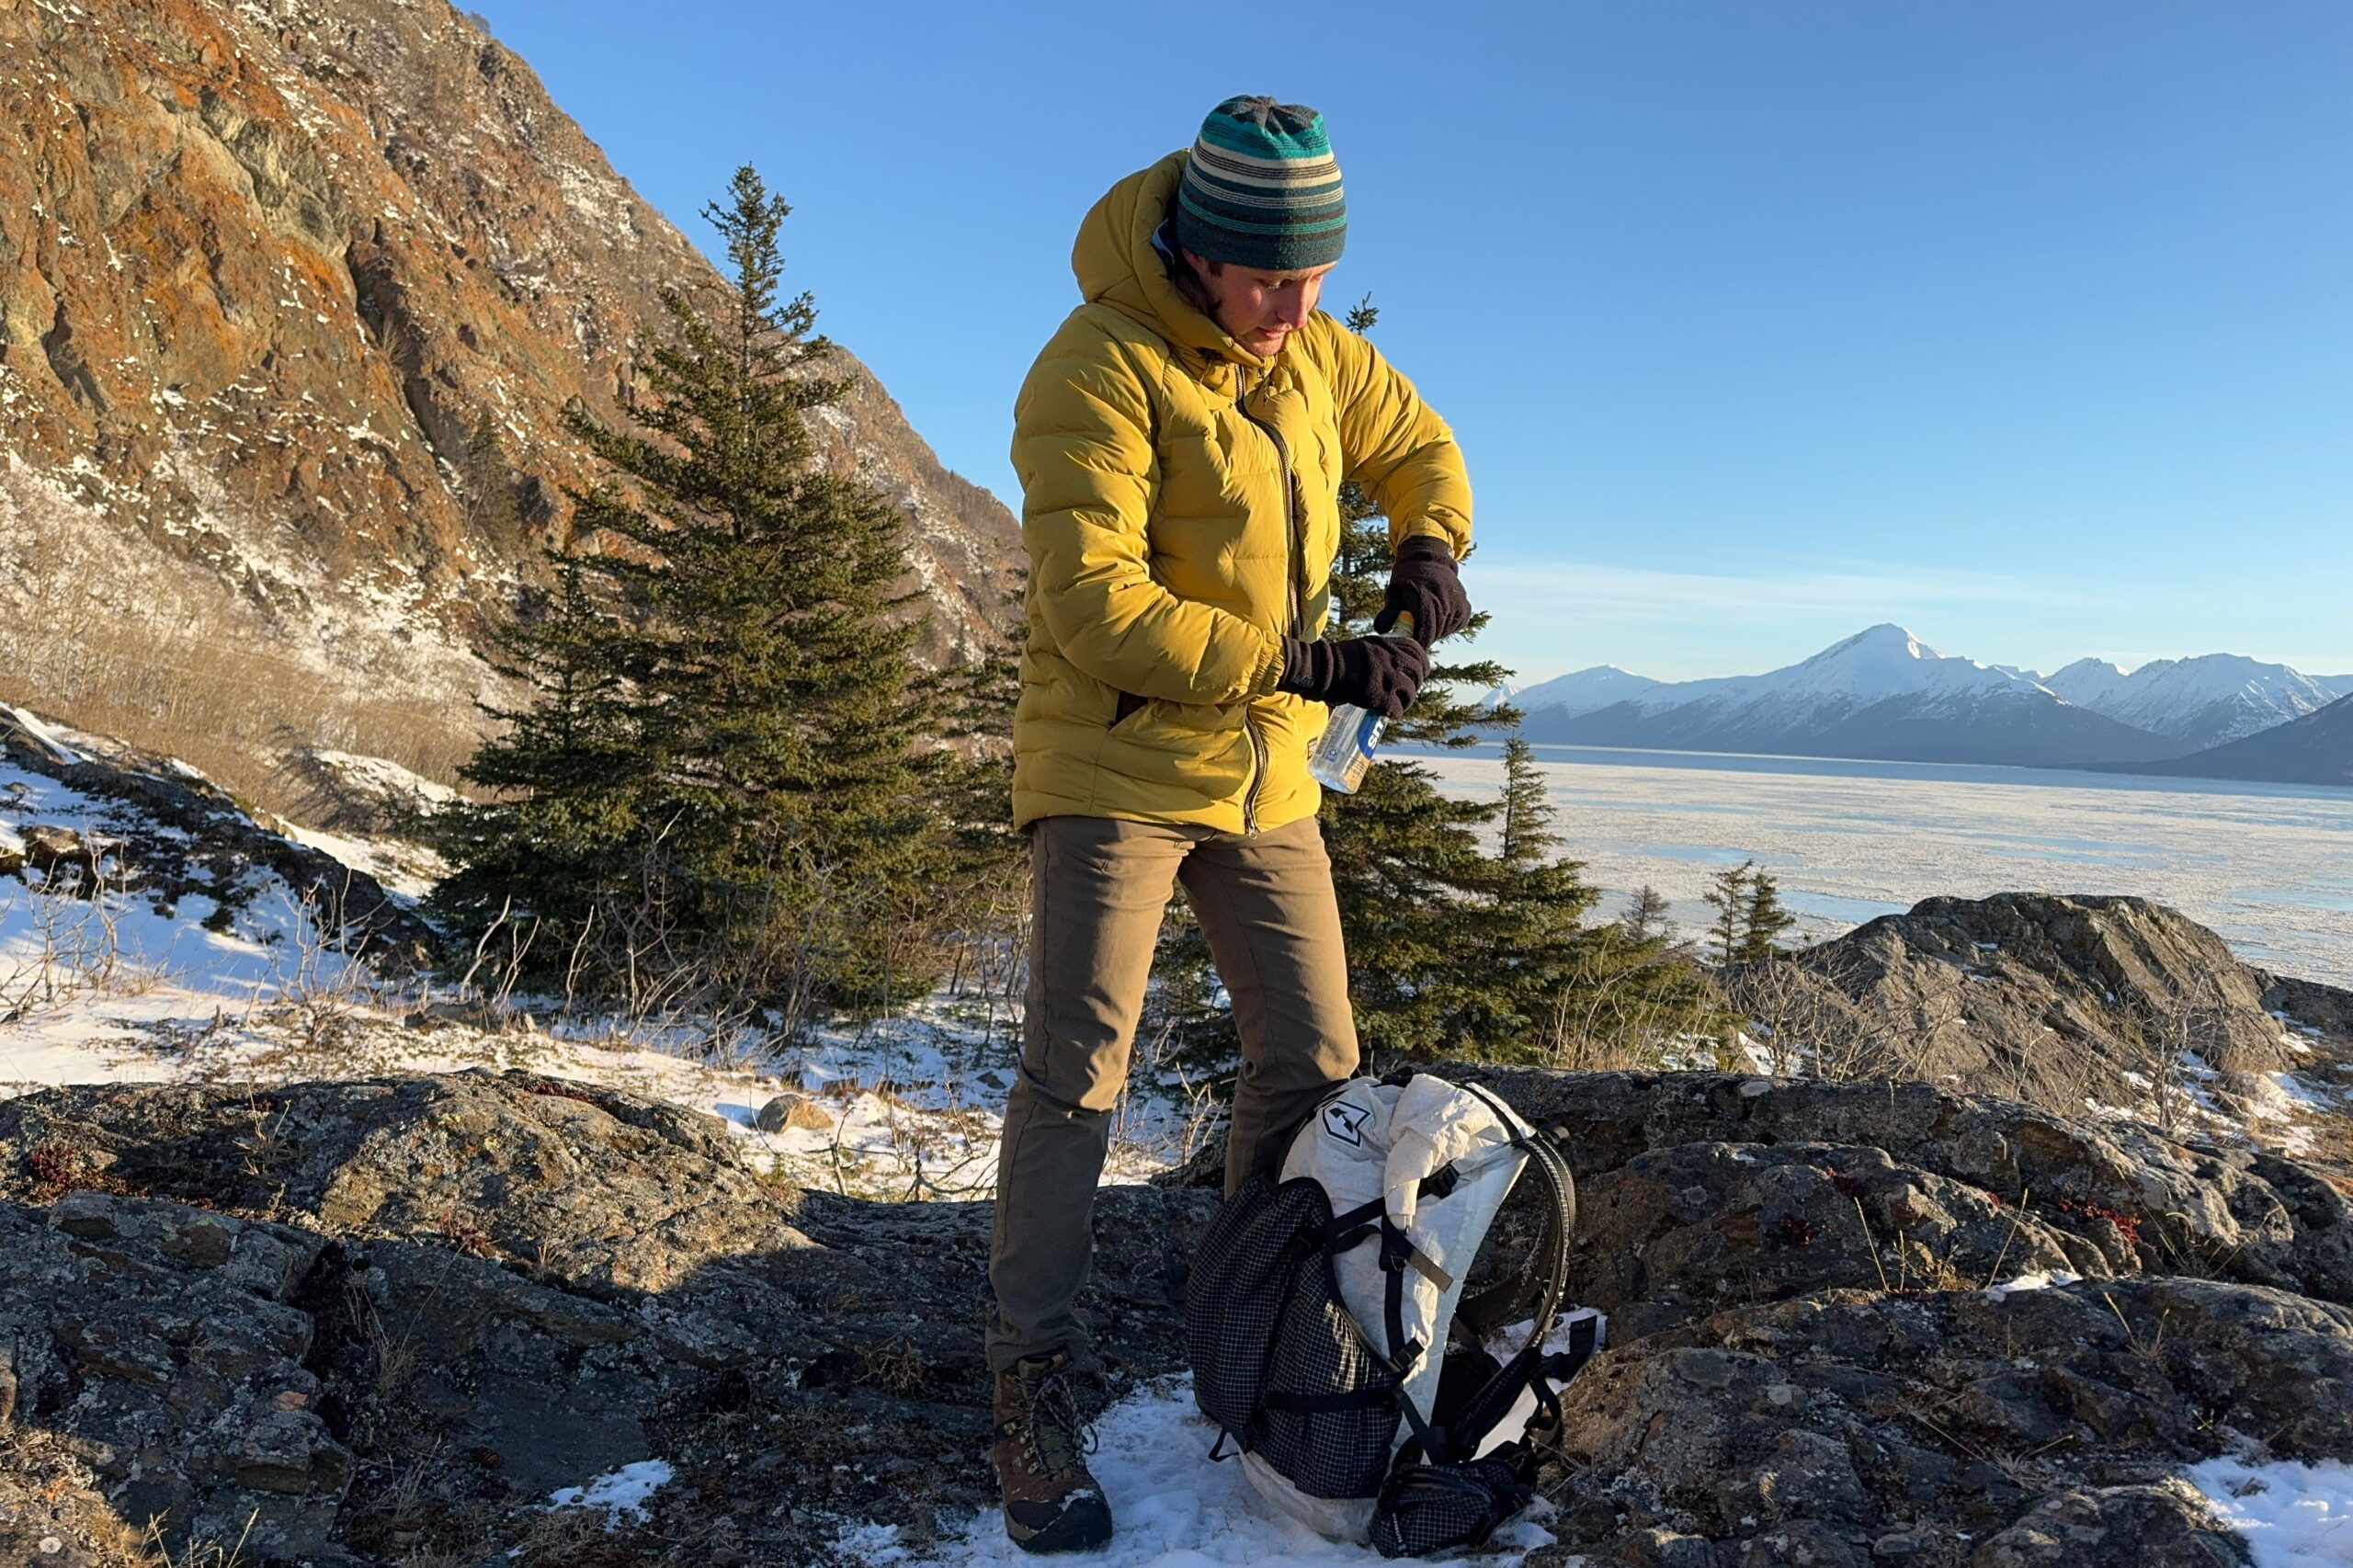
(1052, 1502)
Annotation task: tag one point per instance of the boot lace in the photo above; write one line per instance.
(1056, 1434)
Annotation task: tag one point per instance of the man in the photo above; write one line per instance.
(1181, 443)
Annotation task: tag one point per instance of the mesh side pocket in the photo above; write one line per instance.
(1241, 1273)
(1331, 1408)
(1428, 1508)
(1276, 1360)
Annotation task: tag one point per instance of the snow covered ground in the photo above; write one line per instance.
(116, 989)
(1173, 1506)
(2291, 1514)
(1178, 1509)
(136, 985)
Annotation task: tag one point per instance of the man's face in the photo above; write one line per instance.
(1261, 310)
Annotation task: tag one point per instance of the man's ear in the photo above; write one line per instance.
(1202, 267)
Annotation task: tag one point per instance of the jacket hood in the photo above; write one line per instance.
(1116, 264)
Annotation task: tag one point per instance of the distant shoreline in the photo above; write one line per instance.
(2266, 866)
(1871, 767)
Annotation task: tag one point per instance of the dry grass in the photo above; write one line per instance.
(226, 706)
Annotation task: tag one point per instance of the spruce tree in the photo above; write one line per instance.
(1646, 914)
(1762, 919)
(491, 502)
(1728, 892)
(985, 876)
(546, 846)
(777, 791)
(1404, 855)
(1523, 940)
(1555, 990)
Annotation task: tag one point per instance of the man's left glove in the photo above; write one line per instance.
(1425, 585)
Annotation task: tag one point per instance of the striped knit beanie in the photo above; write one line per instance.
(1261, 188)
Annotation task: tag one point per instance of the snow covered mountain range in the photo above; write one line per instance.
(1883, 693)
(2203, 701)
(2314, 749)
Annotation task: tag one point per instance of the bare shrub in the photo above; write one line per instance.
(226, 704)
(1610, 1014)
(75, 940)
(1840, 1017)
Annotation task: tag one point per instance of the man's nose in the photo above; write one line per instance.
(1291, 307)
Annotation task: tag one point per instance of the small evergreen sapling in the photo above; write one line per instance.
(1762, 919)
(1646, 914)
(1750, 916)
(1728, 895)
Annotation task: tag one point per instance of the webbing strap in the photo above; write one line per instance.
(1346, 1230)
(1403, 1354)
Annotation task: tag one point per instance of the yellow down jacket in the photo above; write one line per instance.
(1180, 504)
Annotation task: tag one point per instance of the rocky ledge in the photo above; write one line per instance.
(381, 1321)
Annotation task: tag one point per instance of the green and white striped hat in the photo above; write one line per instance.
(1261, 188)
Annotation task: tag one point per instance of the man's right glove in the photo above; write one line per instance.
(1380, 674)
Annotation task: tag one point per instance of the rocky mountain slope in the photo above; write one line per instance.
(268, 268)
(1881, 693)
(2314, 749)
(2204, 701)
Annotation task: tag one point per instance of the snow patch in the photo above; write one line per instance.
(1174, 1508)
(2038, 1280)
(618, 1493)
(2291, 1514)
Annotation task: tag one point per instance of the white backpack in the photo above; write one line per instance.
(1328, 1325)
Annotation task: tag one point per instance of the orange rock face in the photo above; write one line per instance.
(265, 268)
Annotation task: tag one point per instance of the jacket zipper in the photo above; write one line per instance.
(1291, 591)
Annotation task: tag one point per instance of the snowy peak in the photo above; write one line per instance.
(1889, 660)
(1880, 693)
(1582, 691)
(1884, 693)
(1883, 664)
(2086, 682)
(2203, 701)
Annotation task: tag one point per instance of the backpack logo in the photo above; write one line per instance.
(1346, 1123)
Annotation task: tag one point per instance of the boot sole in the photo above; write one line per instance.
(1079, 1528)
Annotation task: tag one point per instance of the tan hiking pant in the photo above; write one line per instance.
(1100, 887)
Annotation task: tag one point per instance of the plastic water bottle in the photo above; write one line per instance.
(1345, 750)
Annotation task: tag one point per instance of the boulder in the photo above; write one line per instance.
(2116, 1526)
(60, 853)
(2052, 998)
(789, 1111)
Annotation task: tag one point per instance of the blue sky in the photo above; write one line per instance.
(1761, 321)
